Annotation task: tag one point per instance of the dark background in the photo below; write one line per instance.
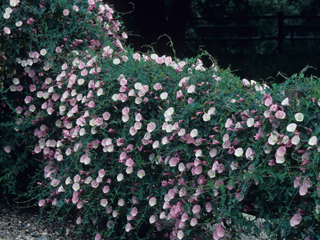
(146, 22)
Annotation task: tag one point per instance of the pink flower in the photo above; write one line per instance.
(180, 95)
(152, 219)
(249, 153)
(84, 72)
(7, 30)
(191, 89)
(219, 231)
(173, 161)
(110, 224)
(128, 227)
(280, 114)
(94, 184)
(281, 151)
(58, 50)
(208, 207)
(136, 56)
(306, 183)
(157, 86)
(245, 83)
(65, 12)
(229, 123)
(7, 149)
(42, 203)
(134, 212)
(193, 222)
(106, 116)
(267, 100)
(106, 189)
(78, 221)
(151, 126)
(91, 104)
(295, 220)
(98, 236)
(104, 202)
(196, 209)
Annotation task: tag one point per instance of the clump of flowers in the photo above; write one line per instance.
(130, 140)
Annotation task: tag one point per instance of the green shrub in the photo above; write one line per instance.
(148, 146)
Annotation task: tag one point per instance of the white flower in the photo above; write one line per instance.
(280, 160)
(152, 201)
(291, 127)
(164, 95)
(312, 141)
(115, 97)
(272, 139)
(206, 117)
(211, 173)
(238, 152)
(154, 56)
(8, 10)
(116, 61)
(137, 86)
(191, 89)
(141, 173)
(42, 51)
(194, 133)
(250, 122)
(6, 15)
(285, 102)
(299, 117)
(295, 140)
(181, 167)
(180, 234)
(120, 177)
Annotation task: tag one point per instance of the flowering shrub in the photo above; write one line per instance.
(143, 146)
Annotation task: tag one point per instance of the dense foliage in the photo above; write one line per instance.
(142, 146)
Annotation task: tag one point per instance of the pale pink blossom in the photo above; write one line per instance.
(42, 203)
(94, 184)
(272, 140)
(7, 30)
(281, 151)
(249, 154)
(103, 202)
(157, 86)
(141, 173)
(128, 227)
(180, 234)
(151, 127)
(196, 208)
(191, 89)
(65, 12)
(285, 102)
(136, 56)
(245, 83)
(7, 149)
(280, 114)
(152, 219)
(295, 220)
